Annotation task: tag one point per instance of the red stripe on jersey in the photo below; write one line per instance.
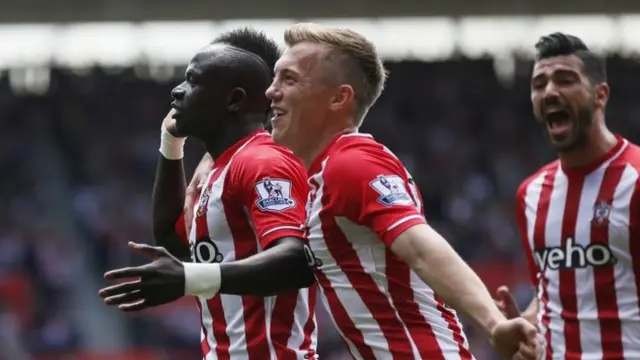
(310, 325)
(245, 244)
(604, 276)
(280, 338)
(376, 301)
(340, 316)
(338, 312)
(219, 323)
(204, 343)
(634, 235)
(403, 300)
(521, 221)
(539, 242)
(567, 279)
(454, 326)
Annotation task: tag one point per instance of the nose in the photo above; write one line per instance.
(178, 92)
(273, 93)
(551, 90)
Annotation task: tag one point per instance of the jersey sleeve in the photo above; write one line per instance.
(372, 188)
(521, 221)
(272, 186)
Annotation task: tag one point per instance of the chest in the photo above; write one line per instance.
(216, 216)
(579, 224)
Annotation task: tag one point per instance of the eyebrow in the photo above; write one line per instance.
(557, 71)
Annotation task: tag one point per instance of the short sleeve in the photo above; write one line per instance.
(521, 221)
(181, 229)
(272, 185)
(371, 187)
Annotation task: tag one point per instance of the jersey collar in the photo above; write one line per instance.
(316, 164)
(584, 170)
(226, 155)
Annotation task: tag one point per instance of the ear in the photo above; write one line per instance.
(601, 94)
(236, 99)
(342, 97)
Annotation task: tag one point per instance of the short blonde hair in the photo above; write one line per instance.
(353, 59)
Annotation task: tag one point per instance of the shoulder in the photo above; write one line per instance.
(631, 155)
(267, 156)
(356, 156)
(543, 171)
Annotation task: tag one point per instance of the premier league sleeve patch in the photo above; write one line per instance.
(392, 190)
(274, 194)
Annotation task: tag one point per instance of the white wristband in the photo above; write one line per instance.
(171, 147)
(202, 279)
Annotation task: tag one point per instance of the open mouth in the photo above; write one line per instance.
(558, 121)
(277, 113)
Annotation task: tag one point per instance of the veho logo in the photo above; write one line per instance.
(573, 255)
(205, 251)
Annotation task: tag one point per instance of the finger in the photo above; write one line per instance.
(130, 272)
(135, 306)
(503, 290)
(125, 298)
(531, 332)
(527, 352)
(509, 302)
(150, 252)
(519, 356)
(121, 288)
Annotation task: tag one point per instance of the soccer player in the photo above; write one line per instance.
(579, 215)
(378, 263)
(247, 233)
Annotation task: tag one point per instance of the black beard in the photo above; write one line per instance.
(580, 132)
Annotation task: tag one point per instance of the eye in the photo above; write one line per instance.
(289, 79)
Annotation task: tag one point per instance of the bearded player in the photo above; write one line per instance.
(579, 216)
(247, 234)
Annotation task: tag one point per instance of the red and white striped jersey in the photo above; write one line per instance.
(581, 231)
(254, 195)
(361, 199)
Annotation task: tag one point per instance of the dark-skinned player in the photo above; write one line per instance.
(247, 235)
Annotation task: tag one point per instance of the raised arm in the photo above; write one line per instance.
(169, 190)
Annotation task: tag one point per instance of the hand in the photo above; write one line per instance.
(161, 281)
(507, 303)
(516, 339)
(170, 123)
(195, 187)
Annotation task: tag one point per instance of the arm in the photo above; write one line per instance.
(439, 266)
(278, 223)
(281, 268)
(377, 192)
(169, 191)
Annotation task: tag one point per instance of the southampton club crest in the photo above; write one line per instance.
(274, 194)
(392, 190)
(202, 204)
(601, 211)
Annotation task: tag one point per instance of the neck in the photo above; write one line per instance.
(599, 142)
(311, 149)
(216, 143)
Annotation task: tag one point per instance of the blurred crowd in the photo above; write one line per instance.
(77, 166)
